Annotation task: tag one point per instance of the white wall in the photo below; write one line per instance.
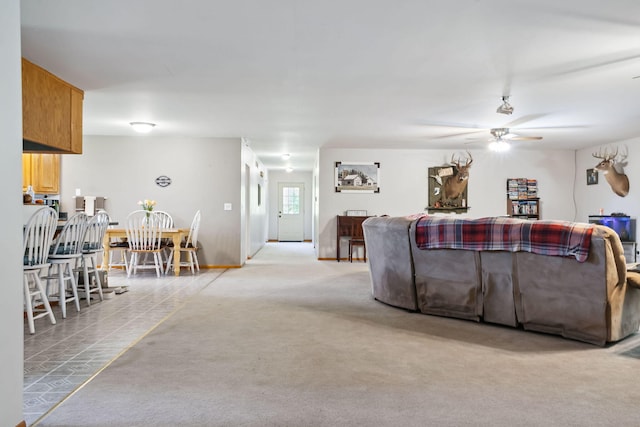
(255, 205)
(206, 173)
(404, 184)
(11, 317)
(276, 177)
(591, 198)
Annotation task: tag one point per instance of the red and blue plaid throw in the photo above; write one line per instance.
(559, 238)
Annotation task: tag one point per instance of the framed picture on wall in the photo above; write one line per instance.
(592, 176)
(355, 177)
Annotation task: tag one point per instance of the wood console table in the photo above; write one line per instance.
(348, 226)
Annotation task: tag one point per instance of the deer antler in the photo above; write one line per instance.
(606, 156)
(455, 162)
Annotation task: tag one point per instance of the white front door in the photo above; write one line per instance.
(291, 212)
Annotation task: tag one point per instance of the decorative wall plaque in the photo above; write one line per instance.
(163, 181)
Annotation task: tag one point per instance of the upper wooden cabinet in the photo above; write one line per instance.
(51, 112)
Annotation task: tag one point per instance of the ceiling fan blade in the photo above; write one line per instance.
(452, 125)
(453, 135)
(554, 127)
(473, 141)
(524, 119)
(524, 138)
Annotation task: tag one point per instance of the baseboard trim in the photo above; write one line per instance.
(276, 240)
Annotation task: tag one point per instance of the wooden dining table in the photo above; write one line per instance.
(176, 235)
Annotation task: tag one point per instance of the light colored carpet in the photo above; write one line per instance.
(291, 341)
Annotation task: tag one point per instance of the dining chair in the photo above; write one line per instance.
(357, 239)
(92, 247)
(118, 247)
(167, 222)
(63, 257)
(36, 243)
(188, 246)
(144, 236)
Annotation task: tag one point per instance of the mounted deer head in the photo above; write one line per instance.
(618, 181)
(456, 183)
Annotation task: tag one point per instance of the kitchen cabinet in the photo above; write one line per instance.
(42, 171)
(51, 112)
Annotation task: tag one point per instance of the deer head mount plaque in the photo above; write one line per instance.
(448, 185)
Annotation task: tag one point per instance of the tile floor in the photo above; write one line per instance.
(60, 358)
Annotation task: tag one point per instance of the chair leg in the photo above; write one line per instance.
(191, 266)
(28, 304)
(158, 261)
(123, 258)
(45, 300)
(169, 261)
(134, 258)
(85, 275)
(39, 290)
(94, 270)
(62, 291)
(74, 286)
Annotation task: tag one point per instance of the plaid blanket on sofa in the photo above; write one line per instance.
(559, 238)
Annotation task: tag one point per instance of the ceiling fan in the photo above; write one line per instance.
(505, 133)
(502, 137)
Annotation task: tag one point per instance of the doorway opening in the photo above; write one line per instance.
(290, 212)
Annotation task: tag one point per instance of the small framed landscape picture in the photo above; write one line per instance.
(592, 176)
(354, 177)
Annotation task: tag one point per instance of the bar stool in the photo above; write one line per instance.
(64, 255)
(91, 248)
(36, 243)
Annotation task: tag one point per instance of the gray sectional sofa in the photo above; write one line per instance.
(588, 301)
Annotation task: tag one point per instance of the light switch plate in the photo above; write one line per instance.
(227, 206)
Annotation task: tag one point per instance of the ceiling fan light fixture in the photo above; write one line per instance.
(505, 108)
(499, 146)
(142, 127)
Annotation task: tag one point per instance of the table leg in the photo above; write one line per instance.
(105, 255)
(177, 238)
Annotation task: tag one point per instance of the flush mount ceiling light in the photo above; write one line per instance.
(142, 127)
(286, 156)
(289, 170)
(505, 108)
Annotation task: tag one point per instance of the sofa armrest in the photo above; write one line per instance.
(390, 262)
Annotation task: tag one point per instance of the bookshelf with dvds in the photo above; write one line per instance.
(522, 198)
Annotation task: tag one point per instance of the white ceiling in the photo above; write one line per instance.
(294, 75)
